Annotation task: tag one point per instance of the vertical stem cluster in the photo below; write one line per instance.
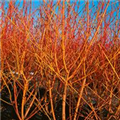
(61, 59)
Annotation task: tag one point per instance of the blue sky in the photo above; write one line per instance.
(113, 4)
(37, 3)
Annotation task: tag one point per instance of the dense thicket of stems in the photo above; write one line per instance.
(61, 59)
